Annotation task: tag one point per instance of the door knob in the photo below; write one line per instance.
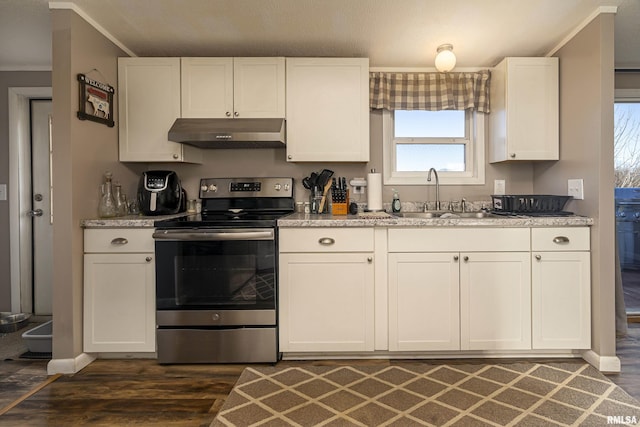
(35, 212)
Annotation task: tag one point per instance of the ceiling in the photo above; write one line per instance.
(392, 33)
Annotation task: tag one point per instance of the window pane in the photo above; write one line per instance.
(422, 157)
(429, 124)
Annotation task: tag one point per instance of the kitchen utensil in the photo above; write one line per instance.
(306, 182)
(324, 178)
(327, 186)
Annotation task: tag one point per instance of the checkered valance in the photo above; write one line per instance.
(430, 91)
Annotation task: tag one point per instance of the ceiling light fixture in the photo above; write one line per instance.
(445, 58)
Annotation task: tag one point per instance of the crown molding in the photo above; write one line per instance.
(599, 11)
(72, 6)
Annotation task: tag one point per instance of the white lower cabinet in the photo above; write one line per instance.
(326, 298)
(475, 298)
(119, 291)
(443, 289)
(561, 288)
(495, 301)
(424, 302)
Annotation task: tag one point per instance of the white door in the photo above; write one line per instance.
(424, 303)
(41, 211)
(495, 301)
(326, 302)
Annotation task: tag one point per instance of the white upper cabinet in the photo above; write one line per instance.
(524, 119)
(233, 87)
(328, 109)
(148, 104)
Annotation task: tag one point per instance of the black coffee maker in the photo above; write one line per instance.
(160, 193)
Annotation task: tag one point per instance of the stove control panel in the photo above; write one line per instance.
(211, 188)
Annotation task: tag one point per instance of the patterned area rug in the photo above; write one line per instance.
(420, 394)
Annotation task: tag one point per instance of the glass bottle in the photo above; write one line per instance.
(107, 205)
(121, 200)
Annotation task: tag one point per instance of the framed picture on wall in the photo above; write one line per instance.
(95, 101)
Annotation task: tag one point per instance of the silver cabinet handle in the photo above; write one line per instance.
(455, 257)
(176, 157)
(561, 240)
(289, 157)
(236, 114)
(326, 241)
(538, 257)
(228, 114)
(119, 241)
(466, 258)
(148, 259)
(512, 155)
(369, 260)
(35, 212)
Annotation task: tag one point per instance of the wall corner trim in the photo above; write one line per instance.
(92, 22)
(608, 364)
(600, 10)
(69, 366)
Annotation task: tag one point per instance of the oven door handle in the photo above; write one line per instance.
(214, 235)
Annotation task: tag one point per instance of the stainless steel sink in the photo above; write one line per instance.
(446, 214)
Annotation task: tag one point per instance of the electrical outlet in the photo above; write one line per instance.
(3, 191)
(575, 188)
(358, 185)
(499, 187)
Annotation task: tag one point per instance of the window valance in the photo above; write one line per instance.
(430, 91)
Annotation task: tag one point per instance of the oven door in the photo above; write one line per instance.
(215, 269)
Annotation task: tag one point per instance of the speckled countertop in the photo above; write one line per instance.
(387, 220)
(129, 221)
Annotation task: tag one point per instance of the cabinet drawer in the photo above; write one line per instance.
(326, 239)
(458, 239)
(118, 240)
(560, 239)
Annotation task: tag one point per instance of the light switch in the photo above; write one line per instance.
(499, 187)
(3, 191)
(575, 188)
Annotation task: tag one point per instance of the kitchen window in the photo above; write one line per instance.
(451, 141)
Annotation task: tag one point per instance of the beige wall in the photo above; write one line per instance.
(265, 162)
(82, 151)
(10, 79)
(586, 151)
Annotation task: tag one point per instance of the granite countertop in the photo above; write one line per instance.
(129, 221)
(387, 220)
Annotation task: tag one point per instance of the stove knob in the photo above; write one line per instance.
(286, 187)
(213, 188)
(204, 188)
(277, 187)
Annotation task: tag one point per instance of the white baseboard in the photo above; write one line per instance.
(607, 364)
(69, 366)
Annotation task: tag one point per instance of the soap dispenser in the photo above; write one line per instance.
(395, 205)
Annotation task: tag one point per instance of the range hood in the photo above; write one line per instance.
(229, 133)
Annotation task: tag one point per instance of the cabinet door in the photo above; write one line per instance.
(326, 302)
(207, 87)
(119, 303)
(259, 87)
(525, 110)
(424, 302)
(495, 301)
(561, 306)
(328, 109)
(148, 104)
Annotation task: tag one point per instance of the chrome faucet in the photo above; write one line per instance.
(437, 186)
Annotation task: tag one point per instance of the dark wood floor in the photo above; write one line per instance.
(141, 392)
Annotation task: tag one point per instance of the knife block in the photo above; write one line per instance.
(340, 203)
